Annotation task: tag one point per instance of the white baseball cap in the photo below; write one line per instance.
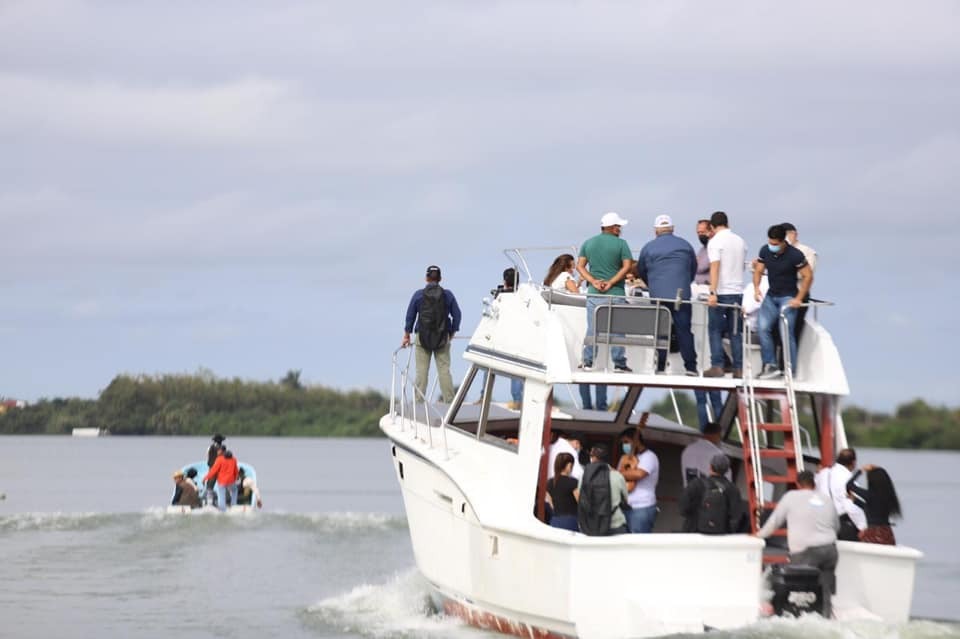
(612, 219)
(662, 222)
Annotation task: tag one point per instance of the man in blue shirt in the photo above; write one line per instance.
(783, 264)
(441, 354)
(668, 265)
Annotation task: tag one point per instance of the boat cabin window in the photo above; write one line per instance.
(490, 409)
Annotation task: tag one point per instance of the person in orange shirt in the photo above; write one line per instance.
(226, 471)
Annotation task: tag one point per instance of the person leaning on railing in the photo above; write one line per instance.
(783, 264)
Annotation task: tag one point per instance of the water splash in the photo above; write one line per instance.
(399, 608)
(28, 522)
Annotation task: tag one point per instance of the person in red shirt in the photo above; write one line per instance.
(225, 470)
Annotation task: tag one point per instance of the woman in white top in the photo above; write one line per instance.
(560, 275)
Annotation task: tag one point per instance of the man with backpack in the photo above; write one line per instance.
(603, 492)
(712, 505)
(433, 314)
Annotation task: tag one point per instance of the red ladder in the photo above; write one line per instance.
(755, 476)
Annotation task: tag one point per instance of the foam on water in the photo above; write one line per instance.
(398, 608)
(158, 519)
(26, 522)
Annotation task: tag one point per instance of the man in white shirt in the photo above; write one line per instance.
(566, 443)
(695, 458)
(832, 482)
(727, 252)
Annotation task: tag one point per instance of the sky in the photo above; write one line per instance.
(249, 187)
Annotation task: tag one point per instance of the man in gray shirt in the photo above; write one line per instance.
(812, 526)
(600, 453)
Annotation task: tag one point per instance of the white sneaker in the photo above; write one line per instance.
(770, 372)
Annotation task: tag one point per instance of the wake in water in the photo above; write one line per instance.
(401, 608)
(159, 519)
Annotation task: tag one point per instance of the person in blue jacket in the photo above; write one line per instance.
(668, 265)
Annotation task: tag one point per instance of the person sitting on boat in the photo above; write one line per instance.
(596, 496)
(563, 493)
(812, 525)
(571, 444)
(192, 476)
(225, 471)
(247, 491)
(185, 493)
(832, 482)
(609, 259)
(880, 503)
(711, 504)
(668, 265)
(640, 468)
(560, 277)
(433, 314)
(783, 264)
(695, 458)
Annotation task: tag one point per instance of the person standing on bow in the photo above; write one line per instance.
(668, 265)
(604, 262)
(433, 314)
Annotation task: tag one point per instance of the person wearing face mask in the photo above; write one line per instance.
(640, 467)
(704, 233)
(790, 278)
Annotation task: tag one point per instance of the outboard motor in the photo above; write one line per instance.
(797, 589)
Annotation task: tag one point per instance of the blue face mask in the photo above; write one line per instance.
(626, 448)
(774, 248)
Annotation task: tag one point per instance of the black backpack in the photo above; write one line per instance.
(712, 517)
(432, 326)
(594, 508)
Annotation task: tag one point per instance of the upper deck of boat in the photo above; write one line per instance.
(539, 332)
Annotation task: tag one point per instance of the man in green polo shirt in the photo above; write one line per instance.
(609, 260)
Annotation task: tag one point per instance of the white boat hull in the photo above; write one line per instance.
(537, 581)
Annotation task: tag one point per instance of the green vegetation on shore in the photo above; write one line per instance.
(915, 425)
(203, 404)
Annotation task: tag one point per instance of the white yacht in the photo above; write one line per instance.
(473, 476)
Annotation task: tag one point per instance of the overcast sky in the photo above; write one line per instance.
(253, 187)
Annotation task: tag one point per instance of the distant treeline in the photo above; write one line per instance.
(915, 424)
(203, 404)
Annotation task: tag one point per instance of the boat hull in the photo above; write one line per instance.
(532, 580)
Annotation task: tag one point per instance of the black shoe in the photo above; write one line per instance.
(622, 368)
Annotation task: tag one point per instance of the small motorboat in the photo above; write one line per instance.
(207, 498)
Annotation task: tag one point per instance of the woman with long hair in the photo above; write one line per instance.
(564, 493)
(560, 275)
(880, 503)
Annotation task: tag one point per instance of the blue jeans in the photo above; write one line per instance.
(601, 390)
(516, 389)
(641, 520)
(222, 490)
(681, 326)
(715, 404)
(567, 522)
(618, 353)
(768, 320)
(725, 319)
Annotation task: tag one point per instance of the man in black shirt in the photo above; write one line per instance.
(712, 505)
(783, 264)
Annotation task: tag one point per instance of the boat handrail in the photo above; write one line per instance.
(516, 257)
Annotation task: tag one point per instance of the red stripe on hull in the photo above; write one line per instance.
(489, 621)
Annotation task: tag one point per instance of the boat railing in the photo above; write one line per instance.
(518, 257)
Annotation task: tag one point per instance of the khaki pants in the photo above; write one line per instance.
(442, 356)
